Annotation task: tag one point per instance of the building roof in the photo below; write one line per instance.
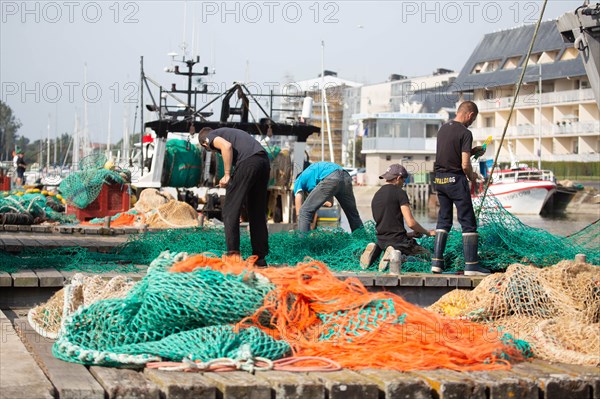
(435, 99)
(515, 42)
(328, 81)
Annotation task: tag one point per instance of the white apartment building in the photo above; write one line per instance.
(398, 121)
(555, 117)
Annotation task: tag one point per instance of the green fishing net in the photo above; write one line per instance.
(81, 188)
(183, 164)
(171, 315)
(503, 240)
(37, 205)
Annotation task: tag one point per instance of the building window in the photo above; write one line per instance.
(489, 121)
(576, 146)
(570, 54)
(388, 157)
(477, 68)
(512, 62)
(431, 130)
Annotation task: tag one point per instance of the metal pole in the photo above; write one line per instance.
(48, 152)
(540, 113)
(142, 114)
(322, 99)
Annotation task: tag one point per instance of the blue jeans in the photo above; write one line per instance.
(339, 185)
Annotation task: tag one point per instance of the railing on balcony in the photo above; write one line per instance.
(533, 99)
(387, 144)
(529, 130)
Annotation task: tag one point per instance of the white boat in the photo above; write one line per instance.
(522, 191)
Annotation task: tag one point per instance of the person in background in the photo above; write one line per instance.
(20, 165)
(246, 185)
(322, 181)
(391, 209)
(453, 171)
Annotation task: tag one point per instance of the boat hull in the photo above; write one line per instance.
(522, 198)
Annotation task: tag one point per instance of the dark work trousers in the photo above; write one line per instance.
(248, 186)
(454, 189)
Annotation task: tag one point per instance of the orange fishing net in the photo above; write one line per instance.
(122, 220)
(319, 315)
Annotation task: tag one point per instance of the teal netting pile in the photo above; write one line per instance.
(183, 164)
(81, 188)
(367, 319)
(38, 206)
(172, 315)
(504, 240)
(588, 238)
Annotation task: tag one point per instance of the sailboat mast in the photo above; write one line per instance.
(108, 139)
(75, 158)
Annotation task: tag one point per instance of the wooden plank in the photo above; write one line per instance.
(68, 275)
(553, 384)
(395, 384)
(503, 384)
(286, 385)
(411, 280)
(20, 376)
(475, 281)
(448, 384)
(386, 280)
(49, 243)
(436, 281)
(5, 279)
(459, 282)
(367, 279)
(28, 241)
(346, 384)
(50, 278)
(587, 373)
(177, 385)
(25, 278)
(124, 383)
(71, 380)
(239, 385)
(12, 244)
(41, 229)
(65, 229)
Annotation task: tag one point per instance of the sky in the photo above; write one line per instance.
(60, 60)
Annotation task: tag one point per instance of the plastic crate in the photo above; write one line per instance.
(113, 199)
(4, 183)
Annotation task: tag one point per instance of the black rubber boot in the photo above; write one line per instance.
(472, 266)
(437, 260)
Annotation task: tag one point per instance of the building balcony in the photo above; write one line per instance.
(533, 100)
(573, 128)
(397, 144)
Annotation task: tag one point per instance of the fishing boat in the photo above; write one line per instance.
(522, 190)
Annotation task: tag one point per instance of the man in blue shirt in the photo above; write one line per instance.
(321, 181)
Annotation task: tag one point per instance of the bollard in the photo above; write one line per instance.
(395, 262)
(580, 258)
(107, 222)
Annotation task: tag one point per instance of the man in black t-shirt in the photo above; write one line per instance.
(246, 185)
(452, 169)
(390, 207)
